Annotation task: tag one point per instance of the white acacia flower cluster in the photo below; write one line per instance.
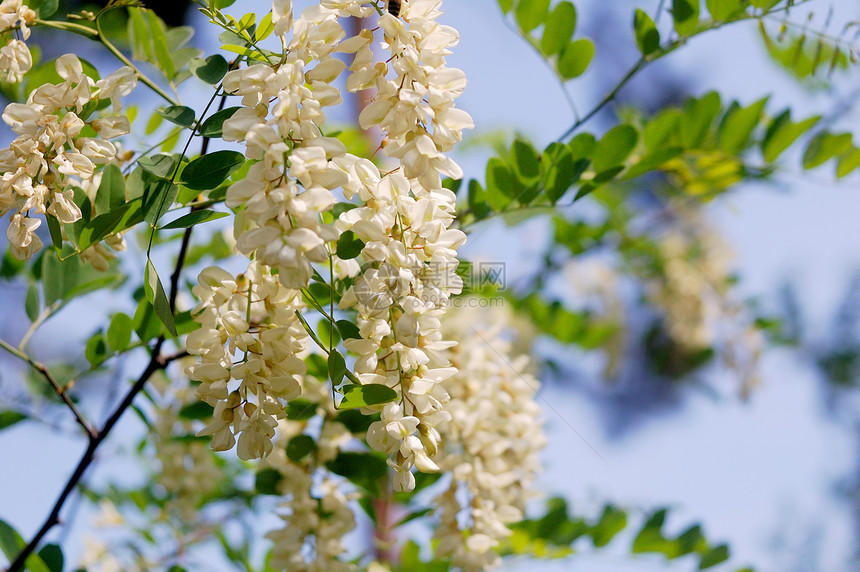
(51, 155)
(404, 222)
(493, 440)
(284, 194)
(404, 219)
(15, 58)
(249, 342)
(316, 512)
(188, 490)
(694, 292)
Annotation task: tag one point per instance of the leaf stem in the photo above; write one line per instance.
(99, 36)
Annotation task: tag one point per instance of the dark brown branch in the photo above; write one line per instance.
(156, 363)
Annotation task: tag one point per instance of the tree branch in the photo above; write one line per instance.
(59, 389)
(663, 51)
(156, 363)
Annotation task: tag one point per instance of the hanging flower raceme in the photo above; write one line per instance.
(493, 440)
(286, 192)
(404, 223)
(403, 217)
(316, 513)
(249, 341)
(51, 155)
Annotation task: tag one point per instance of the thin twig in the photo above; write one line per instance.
(59, 389)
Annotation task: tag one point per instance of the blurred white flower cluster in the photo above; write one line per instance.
(494, 439)
(53, 152)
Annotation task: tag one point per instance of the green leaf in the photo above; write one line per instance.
(117, 220)
(326, 332)
(530, 14)
(161, 165)
(153, 123)
(575, 58)
(198, 410)
(119, 332)
(614, 147)
(651, 539)
(12, 544)
(139, 35)
(156, 296)
(506, 5)
(559, 171)
(611, 522)
(647, 35)
(161, 48)
(266, 481)
(111, 193)
(714, 556)
(300, 447)
(340, 208)
(178, 114)
(582, 146)
(44, 8)
(363, 469)
(58, 277)
(301, 409)
(355, 420)
(722, 10)
(146, 324)
(336, 367)
(825, 146)
(56, 233)
(9, 418)
(364, 395)
(500, 177)
(264, 28)
(348, 330)
(209, 171)
(525, 160)
(193, 218)
(32, 304)
(96, 350)
(782, 132)
(699, 115)
(738, 125)
(213, 125)
(158, 196)
(52, 556)
(349, 246)
(848, 161)
(685, 14)
(559, 28)
(662, 130)
(211, 70)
